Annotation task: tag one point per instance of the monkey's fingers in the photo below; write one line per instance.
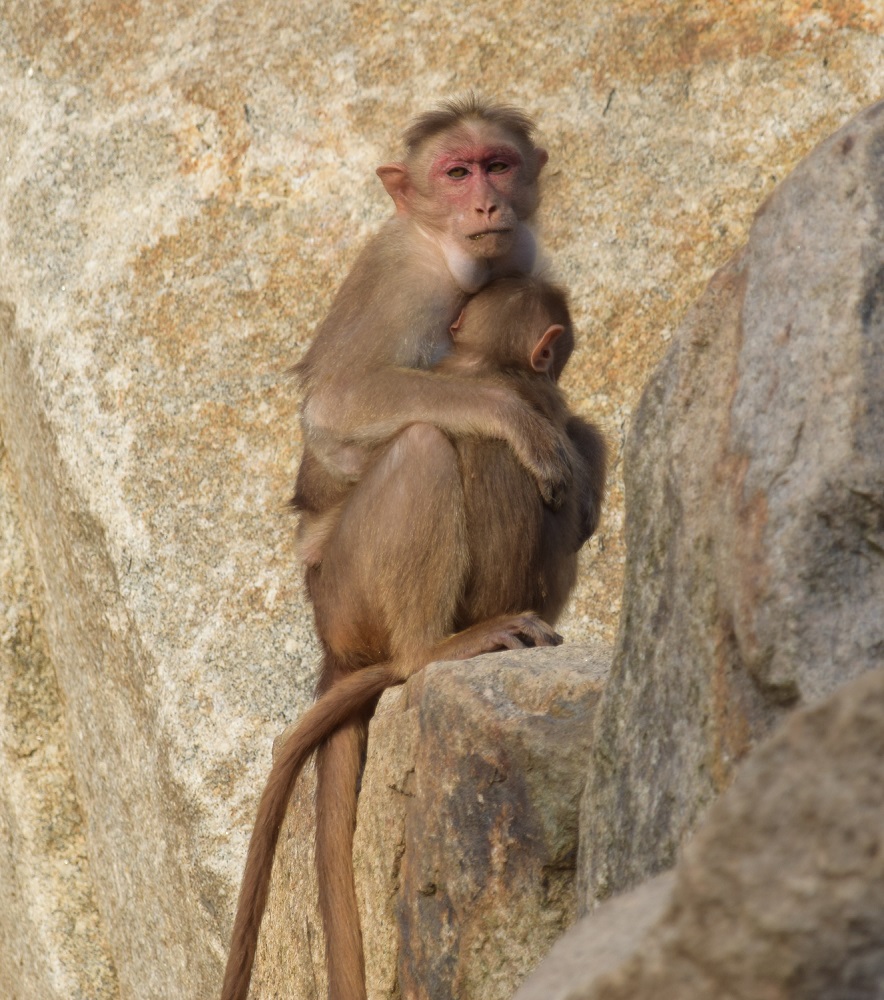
(521, 631)
(552, 467)
(538, 632)
(504, 640)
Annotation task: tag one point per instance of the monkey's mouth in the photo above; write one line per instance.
(489, 232)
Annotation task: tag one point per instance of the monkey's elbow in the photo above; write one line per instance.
(323, 413)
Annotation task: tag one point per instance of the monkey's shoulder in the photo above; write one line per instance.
(394, 307)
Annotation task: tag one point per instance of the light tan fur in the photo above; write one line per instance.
(434, 554)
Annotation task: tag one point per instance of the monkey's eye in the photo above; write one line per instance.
(457, 172)
(498, 167)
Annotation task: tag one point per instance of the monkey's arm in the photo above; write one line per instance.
(365, 408)
(590, 473)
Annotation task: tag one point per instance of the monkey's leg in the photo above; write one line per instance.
(400, 556)
(389, 581)
(393, 570)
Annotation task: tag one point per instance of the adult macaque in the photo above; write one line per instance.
(435, 555)
(464, 195)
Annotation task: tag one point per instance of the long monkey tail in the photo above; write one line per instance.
(342, 701)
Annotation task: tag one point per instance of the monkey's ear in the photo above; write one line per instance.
(542, 356)
(455, 326)
(397, 183)
(540, 158)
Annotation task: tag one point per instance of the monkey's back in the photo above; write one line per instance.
(521, 558)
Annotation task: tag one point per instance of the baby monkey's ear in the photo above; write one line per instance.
(542, 356)
(455, 326)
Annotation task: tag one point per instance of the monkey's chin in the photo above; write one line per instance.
(491, 245)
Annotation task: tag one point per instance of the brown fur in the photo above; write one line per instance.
(367, 375)
(451, 113)
(434, 555)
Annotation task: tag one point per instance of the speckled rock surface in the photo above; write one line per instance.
(756, 512)
(466, 839)
(779, 893)
(53, 945)
(183, 186)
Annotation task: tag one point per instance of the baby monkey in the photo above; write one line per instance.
(442, 551)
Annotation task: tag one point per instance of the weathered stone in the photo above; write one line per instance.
(778, 895)
(52, 942)
(466, 838)
(756, 520)
(602, 943)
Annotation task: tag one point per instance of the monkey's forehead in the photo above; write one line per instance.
(473, 141)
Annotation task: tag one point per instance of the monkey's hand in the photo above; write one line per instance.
(542, 448)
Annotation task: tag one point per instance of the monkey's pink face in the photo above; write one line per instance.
(478, 192)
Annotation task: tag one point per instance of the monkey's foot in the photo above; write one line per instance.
(502, 632)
